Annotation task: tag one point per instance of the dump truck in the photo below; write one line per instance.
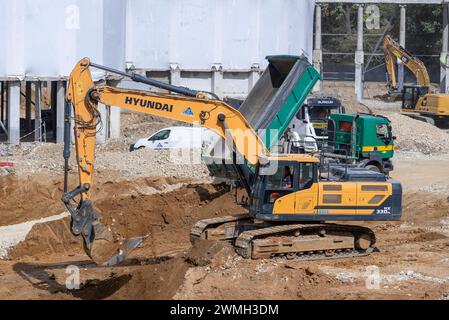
(307, 132)
(269, 108)
(364, 140)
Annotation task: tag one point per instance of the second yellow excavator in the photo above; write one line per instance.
(290, 195)
(417, 102)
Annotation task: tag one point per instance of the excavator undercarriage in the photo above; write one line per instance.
(304, 241)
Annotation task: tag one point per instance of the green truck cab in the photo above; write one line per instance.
(362, 139)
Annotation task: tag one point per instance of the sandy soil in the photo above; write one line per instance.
(165, 200)
(412, 261)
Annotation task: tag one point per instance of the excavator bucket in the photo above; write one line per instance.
(101, 243)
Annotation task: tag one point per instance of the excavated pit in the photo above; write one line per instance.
(167, 267)
(156, 270)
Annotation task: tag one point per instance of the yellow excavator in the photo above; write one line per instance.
(291, 196)
(417, 102)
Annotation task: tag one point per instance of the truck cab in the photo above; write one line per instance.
(362, 139)
(308, 130)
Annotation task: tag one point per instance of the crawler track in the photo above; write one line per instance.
(304, 241)
(339, 241)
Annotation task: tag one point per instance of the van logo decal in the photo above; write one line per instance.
(188, 112)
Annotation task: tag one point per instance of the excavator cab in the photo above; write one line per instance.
(411, 95)
(286, 177)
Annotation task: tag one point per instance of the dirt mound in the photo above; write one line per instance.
(29, 198)
(167, 217)
(133, 215)
(46, 239)
(430, 236)
(420, 206)
(418, 136)
(33, 197)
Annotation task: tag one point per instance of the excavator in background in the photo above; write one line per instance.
(417, 101)
(291, 195)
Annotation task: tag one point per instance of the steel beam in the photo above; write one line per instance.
(359, 55)
(402, 24)
(444, 71)
(38, 112)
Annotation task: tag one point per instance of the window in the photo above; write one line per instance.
(306, 178)
(283, 178)
(162, 135)
(409, 98)
(383, 132)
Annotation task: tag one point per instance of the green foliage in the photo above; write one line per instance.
(423, 30)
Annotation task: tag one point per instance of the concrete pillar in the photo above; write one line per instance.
(317, 57)
(359, 55)
(402, 24)
(102, 135)
(175, 74)
(14, 112)
(444, 73)
(114, 115)
(254, 76)
(114, 122)
(217, 79)
(60, 106)
(38, 112)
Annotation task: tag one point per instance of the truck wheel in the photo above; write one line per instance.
(372, 168)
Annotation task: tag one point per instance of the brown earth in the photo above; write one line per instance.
(413, 257)
(167, 267)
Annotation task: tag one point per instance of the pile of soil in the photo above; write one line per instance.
(418, 136)
(28, 198)
(166, 217)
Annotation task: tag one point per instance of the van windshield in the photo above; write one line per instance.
(162, 135)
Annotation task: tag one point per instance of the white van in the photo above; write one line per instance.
(178, 138)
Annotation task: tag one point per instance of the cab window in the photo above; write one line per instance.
(383, 132)
(162, 135)
(282, 179)
(306, 176)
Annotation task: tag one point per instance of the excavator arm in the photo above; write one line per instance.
(189, 107)
(392, 51)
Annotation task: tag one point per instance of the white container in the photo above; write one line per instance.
(198, 33)
(44, 38)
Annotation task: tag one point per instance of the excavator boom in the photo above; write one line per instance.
(393, 51)
(192, 107)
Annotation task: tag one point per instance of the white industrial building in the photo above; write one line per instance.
(213, 45)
